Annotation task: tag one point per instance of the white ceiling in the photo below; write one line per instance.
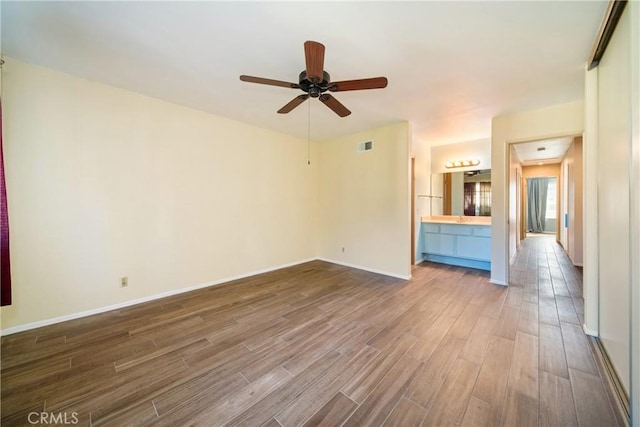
(545, 151)
(451, 66)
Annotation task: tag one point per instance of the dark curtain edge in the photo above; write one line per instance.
(5, 266)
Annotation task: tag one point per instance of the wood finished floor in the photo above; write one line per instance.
(320, 344)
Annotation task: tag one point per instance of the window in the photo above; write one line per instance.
(551, 200)
(477, 199)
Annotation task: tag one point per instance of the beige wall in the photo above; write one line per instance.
(515, 201)
(574, 191)
(560, 120)
(104, 183)
(421, 151)
(437, 190)
(364, 201)
(468, 150)
(539, 171)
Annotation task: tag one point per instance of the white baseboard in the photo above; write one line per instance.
(47, 322)
(589, 331)
(419, 261)
(497, 282)
(371, 270)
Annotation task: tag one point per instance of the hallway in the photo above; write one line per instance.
(548, 290)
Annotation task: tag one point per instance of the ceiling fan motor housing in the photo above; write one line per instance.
(314, 89)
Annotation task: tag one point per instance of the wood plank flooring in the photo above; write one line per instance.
(321, 344)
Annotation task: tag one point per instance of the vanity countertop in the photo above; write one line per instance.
(457, 240)
(462, 220)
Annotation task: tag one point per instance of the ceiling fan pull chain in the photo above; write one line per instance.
(309, 134)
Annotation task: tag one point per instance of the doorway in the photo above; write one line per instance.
(557, 163)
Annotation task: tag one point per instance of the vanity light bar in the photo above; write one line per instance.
(462, 163)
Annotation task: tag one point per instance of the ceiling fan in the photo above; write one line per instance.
(314, 81)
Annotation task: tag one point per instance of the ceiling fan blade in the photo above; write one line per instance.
(360, 84)
(293, 104)
(314, 57)
(335, 105)
(269, 82)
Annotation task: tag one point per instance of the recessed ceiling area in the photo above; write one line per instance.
(546, 151)
(452, 66)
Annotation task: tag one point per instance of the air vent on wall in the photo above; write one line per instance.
(365, 146)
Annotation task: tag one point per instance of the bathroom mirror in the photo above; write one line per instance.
(465, 193)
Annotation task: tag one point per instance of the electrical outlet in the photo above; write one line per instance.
(124, 282)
